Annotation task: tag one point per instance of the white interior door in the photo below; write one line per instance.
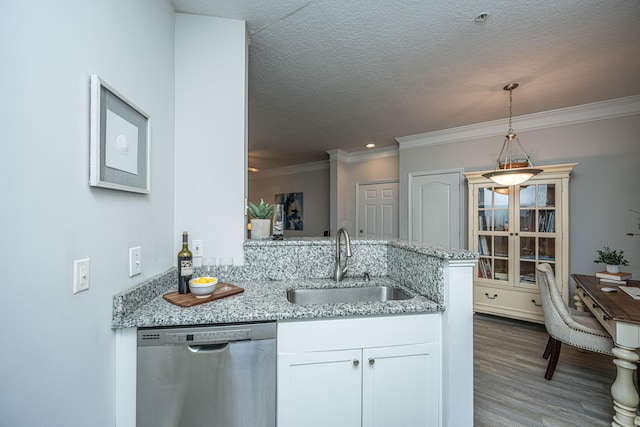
(434, 209)
(377, 208)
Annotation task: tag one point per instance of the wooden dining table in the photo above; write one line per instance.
(619, 314)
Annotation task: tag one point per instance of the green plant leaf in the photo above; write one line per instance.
(609, 257)
(261, 211)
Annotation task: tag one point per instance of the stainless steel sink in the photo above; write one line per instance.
(345, 295)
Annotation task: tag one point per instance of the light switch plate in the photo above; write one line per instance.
(197, 248)
(81, 275)
(135, 261)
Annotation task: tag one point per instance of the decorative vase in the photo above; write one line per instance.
(278, 222)
(260, 229)
(613, 269)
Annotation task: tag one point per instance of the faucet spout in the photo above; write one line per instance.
(341, 271)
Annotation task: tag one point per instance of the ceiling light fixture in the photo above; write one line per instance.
(370, 145)
(511, 171)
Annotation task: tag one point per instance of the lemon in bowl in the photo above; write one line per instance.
(203, 287)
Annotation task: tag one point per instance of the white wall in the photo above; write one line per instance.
(57, 363)
(211, 142)
(314, 183)
(603, 187)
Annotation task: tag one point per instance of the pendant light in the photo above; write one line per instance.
(509, 170)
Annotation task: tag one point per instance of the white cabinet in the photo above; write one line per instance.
(399, 385)
(319, 389)
(369, 372)
(515, 228)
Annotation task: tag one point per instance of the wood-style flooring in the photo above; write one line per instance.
(509, 385)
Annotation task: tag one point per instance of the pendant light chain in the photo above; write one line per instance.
(510, 131)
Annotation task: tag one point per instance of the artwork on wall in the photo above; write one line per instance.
(119, 141)
(293, 208)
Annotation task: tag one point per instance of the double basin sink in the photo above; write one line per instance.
(348, 295)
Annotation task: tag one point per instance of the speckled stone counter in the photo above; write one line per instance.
(273, 267)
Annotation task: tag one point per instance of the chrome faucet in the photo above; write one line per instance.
(340, 271)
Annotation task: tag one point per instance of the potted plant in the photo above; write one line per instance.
(260, 223)
(613, 259)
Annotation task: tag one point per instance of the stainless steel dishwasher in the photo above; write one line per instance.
(218, 376)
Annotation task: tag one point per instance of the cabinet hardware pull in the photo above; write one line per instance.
(356, 362)
(594, 305)
(491, 297)
(372, 361)
(605, 317)
(535, 303)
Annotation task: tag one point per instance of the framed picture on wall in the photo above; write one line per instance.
(293, 210)
(119, 156)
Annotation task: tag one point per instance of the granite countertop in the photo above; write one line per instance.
(265, 300)
(272, 267)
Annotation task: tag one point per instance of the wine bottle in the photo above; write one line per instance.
(185, 265)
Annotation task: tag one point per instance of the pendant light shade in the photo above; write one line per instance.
(509, 169)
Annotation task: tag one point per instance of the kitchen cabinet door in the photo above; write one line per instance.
(401, 386)
(320, 389)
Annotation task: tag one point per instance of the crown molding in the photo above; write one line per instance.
(547, 119)
(362, 156)
(378, 153)
(337, 154)
(290, 170)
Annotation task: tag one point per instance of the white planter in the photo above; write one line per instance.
(260, 229)
(613, 269)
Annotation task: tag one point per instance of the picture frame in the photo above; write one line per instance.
(120, 141)
(293, 210)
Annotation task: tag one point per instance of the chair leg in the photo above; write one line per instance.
(554, 352)
(548, 348)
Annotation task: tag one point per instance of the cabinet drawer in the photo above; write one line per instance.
(344, 333)
(595, 309)
(516, 304)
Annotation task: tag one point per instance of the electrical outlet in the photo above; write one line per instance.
(197, 248)
(81, 275)
(135, 261)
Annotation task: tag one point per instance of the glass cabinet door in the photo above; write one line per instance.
(493, 233)
(516, 231)
(536, 230)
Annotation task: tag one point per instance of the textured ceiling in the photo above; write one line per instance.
(327, 74)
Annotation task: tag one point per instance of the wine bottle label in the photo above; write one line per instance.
(186, 267)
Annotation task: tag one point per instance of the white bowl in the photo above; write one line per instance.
(203, 290)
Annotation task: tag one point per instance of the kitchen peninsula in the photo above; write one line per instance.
(438, 280)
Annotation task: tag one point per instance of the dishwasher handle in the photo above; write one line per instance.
(208, 348)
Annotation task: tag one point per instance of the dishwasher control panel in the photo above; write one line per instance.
(209, 337)
(204, 334)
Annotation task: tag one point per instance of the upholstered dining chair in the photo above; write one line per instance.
(565, 324)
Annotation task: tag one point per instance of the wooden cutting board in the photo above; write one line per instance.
(189, 300)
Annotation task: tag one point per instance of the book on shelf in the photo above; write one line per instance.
(481, 273)
(484, 269)
(613, 276)
(482, 225)
(541, 222)
(484, 245)
(615, 282)
(528, 278)
(546, 221)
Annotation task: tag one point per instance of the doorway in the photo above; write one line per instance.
(377, 209)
